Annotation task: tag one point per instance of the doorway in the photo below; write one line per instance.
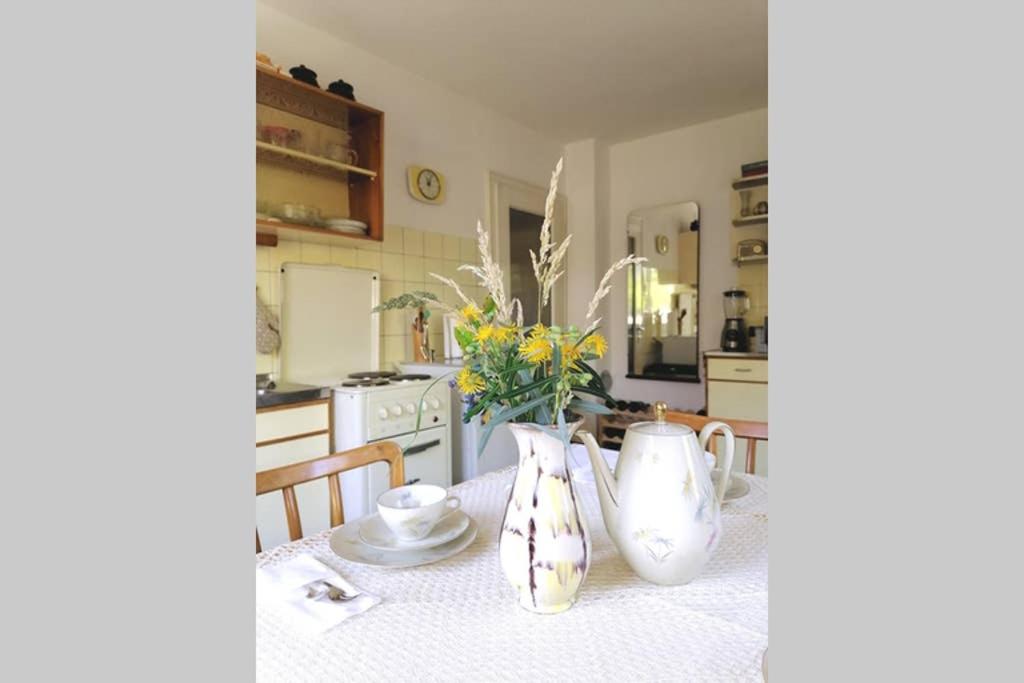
(517, 213)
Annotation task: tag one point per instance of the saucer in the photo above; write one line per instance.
(347, 545)
(738, 487)
(373, 531)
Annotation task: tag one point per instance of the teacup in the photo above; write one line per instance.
(412, 511)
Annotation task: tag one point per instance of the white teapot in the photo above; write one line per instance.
(660, 508)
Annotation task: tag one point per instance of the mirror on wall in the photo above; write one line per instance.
(662, 294)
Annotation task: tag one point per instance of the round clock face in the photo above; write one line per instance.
(429, 184)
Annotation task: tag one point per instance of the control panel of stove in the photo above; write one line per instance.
(393, 412)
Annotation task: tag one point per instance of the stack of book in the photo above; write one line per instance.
(754, 168)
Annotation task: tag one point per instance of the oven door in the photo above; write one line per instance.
(428, 460)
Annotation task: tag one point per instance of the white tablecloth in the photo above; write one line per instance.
(458, 620)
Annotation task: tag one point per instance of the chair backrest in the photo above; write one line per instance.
(285, 479)
(743, 429)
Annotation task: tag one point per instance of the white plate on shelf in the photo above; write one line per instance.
(374, 532)
(346, 544)
(347, 229)
(346, 225)
(738, 487)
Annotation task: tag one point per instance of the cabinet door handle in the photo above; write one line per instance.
(741, 369)
(413, 450)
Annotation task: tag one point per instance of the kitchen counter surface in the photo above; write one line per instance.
(283, 393)
(718, 353)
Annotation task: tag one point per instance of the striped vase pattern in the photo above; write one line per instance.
(544, 543)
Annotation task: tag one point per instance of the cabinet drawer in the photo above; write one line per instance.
(738, 400)
(285, 422)
(738, 369)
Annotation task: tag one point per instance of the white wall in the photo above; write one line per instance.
(695, 163)
(579, 182)
(424, 124)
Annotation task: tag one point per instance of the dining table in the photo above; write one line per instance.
(459, 619)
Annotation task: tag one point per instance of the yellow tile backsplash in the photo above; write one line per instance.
(404, 260)
(433, 244)
(413, 242)
(450, 247)
(753, 278)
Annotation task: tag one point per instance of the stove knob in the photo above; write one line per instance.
(410, 408)
(382, 413)
(396, 410)
(434, 403)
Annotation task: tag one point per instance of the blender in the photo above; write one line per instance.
(734, 334)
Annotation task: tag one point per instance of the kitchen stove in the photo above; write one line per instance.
(386, 409)
(382, 378)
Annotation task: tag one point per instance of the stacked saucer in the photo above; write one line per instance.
(370, 541)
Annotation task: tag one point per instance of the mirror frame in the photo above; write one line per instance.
(634, 275)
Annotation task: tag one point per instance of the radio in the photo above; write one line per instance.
(751, 250)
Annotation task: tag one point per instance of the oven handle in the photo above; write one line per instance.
(413, 450)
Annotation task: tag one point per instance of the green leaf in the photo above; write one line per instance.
(503, 416)
(589, 406)
(563, 431)
(526, 389)
(464, 337)
(594, 392)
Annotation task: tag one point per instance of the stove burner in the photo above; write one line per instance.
(408, 378)
(372, 374)
(367, 382)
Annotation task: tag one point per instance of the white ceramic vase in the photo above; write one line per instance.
(544, 543)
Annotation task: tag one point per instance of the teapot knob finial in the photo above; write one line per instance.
(659, 411)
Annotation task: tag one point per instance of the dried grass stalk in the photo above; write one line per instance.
(605, 286)
(458, 290)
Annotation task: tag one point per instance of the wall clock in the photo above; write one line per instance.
(426, 184)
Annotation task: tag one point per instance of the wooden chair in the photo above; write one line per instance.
(285, 479)
(743, 429)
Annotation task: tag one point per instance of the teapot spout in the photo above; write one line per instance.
(607, 487)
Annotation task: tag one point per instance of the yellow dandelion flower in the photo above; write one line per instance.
(570, 352)
(469, 382)
(485, 332)
(596, 344)
(535, 350)
(538, 331)
(470, 312)
(504, 334)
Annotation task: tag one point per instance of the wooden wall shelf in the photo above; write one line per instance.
(749, 181)
(309, 162)
(275, 230)
(750, 220)
(750, 259)
(290, 176)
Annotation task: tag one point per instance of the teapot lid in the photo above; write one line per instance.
(660, 427)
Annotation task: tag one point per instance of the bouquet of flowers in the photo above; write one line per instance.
(519, 372)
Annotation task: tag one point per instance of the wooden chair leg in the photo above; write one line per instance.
(751, 455)
(259, 548)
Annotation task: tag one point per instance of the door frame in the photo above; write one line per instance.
(504, 193)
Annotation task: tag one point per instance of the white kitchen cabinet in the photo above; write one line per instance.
(737, 388)
(285, 435)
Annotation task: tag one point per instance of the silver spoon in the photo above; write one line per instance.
(333, 593)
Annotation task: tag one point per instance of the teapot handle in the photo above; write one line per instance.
(730, 447)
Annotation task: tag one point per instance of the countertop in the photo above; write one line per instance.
(284, 393)
(718, 353)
